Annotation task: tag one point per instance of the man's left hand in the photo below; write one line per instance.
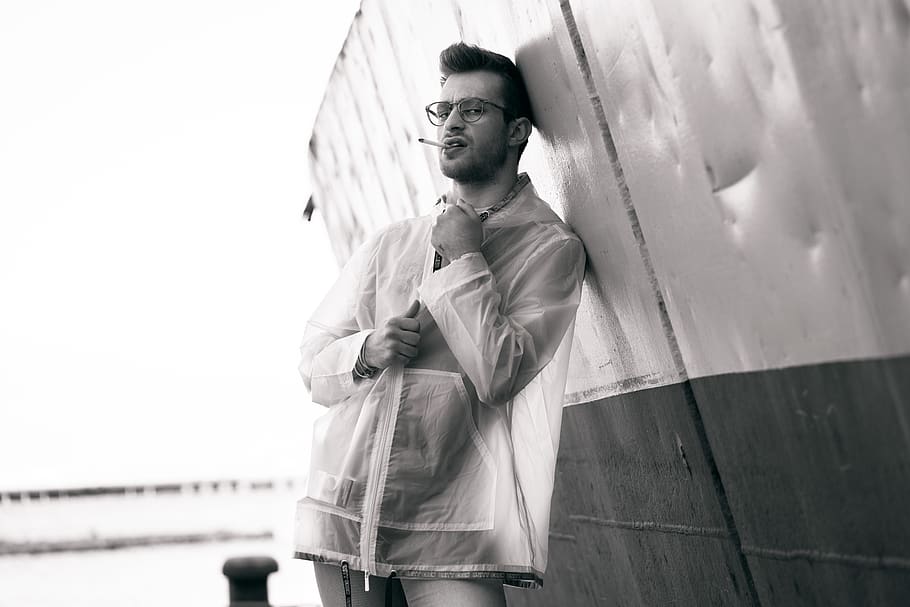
(457, 231)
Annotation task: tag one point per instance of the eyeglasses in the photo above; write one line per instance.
(470, 109)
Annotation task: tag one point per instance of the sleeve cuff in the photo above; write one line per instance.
(466, 268)
(339, 371)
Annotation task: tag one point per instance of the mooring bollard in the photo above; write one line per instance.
(248, 580)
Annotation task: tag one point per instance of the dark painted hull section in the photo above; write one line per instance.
(814, 462)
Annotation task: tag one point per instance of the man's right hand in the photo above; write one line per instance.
(395, 341)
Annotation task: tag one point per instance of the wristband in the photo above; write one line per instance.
(361, 368)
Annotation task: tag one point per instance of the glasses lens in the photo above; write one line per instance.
(471, 109)
(438, 112)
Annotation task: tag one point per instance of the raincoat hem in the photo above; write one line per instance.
(525, 578)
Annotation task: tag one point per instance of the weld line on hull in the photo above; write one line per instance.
(820, 556)
(653, 526)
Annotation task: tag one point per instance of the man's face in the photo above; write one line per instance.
(482, 146)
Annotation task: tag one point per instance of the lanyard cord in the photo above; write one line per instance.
(346, 583)
(520, 183)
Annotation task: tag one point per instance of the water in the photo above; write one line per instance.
(173, 575)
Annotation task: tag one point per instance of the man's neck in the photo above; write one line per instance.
(484, 194)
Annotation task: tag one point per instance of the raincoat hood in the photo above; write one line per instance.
(443, 467)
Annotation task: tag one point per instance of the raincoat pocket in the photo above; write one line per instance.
(441, 475)
(342, 437)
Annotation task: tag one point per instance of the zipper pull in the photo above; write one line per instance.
(366, 581)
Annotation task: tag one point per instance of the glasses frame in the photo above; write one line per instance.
(457, 105)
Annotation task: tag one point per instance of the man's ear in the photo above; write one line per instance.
(519, 131)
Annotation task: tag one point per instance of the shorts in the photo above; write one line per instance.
(405, 592)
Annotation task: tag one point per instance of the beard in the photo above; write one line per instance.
(478, 165)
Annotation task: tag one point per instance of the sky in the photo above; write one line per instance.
(156, 272)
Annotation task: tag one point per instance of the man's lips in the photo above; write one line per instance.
(454, 142)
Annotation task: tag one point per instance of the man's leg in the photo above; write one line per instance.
(453, 593)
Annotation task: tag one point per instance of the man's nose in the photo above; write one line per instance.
(453, 121)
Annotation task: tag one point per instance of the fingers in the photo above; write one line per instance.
(412, 338)
(467, 209)
(395, 343)
(404, 342)
(404, 334)
(392, 352)
(405, 324)
(458, 205)
(400, 337)
(407, 351)
(413, 309)
(407, 321)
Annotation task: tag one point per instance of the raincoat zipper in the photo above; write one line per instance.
(370, 525)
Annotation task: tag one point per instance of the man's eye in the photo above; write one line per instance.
(472, 111)
(443, 114)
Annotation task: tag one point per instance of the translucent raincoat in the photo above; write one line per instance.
(444, 467)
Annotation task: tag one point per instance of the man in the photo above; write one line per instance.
(441, 353)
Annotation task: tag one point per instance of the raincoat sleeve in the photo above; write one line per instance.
(502, 345)
(336, 332)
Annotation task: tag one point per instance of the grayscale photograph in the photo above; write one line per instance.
(455, 303)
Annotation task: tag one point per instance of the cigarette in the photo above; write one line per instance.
(431, 142)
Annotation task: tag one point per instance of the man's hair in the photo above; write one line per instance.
(460, 57)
